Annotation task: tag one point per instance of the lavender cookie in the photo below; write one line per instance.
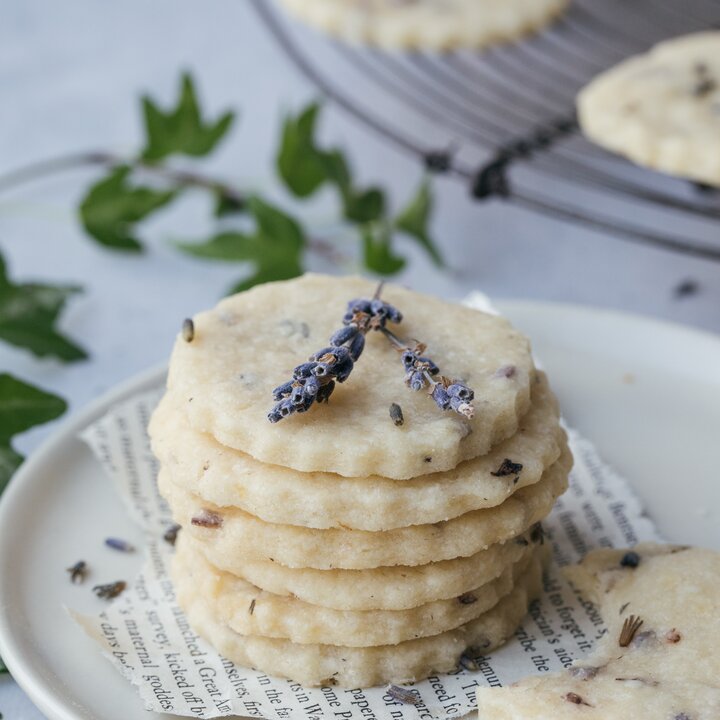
(660, 656)
(661, 109)
(427, 24)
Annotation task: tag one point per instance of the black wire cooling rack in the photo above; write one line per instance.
(502, 121)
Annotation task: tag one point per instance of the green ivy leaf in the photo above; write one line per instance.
(28, 313)
(413, 221)
(181, 130)
(22, 406)
(275, 247)
(378, 253)
(360, 206)
(301, 165)
(305, 167)
(112, 206)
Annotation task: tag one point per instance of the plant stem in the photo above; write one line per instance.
(63, 163)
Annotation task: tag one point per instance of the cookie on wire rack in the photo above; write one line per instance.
(660, 109)
(427, 24)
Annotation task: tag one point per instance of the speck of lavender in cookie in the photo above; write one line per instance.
(251, 609)
(574, 698)
(673, 636)
(631, 625)
(314, 381)
(403, 695)
(467, 598)
(682, 716)
(508, 467)
(584, 673)
(507, 371)
(207, 519)
(537, 534)
(630, 560)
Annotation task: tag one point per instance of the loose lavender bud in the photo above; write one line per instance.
(118, 544)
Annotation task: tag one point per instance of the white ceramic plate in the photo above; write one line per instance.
(647, 393)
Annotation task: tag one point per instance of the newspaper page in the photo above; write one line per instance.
(145, 634)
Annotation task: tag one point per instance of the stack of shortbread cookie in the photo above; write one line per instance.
(348, 545)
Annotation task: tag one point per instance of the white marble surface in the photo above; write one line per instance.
(69, 75)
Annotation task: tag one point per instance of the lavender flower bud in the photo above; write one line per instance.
(325, 391)
(357, 346)
(408, 359)
(305, 405)
(312, 385)
(359, 305)
(416, 381)
(342, 370)
(282, 391)
(463, 392)
(343, 335)
(321, 370)
(304, 370)
(441, 398)
(297, 397)
(430, 366)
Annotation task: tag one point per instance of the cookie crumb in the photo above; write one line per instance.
(673, 636)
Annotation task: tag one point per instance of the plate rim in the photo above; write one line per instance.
(19, 659)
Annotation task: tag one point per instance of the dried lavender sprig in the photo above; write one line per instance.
(314, 381)
(421, 372)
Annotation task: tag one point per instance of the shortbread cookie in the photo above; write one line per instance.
(427, 24)
(229, 478)
(362, 667)
(384, 588)
(250, 343)
(248, 610)
(661, 109)
(234, 533)
(664, 665)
